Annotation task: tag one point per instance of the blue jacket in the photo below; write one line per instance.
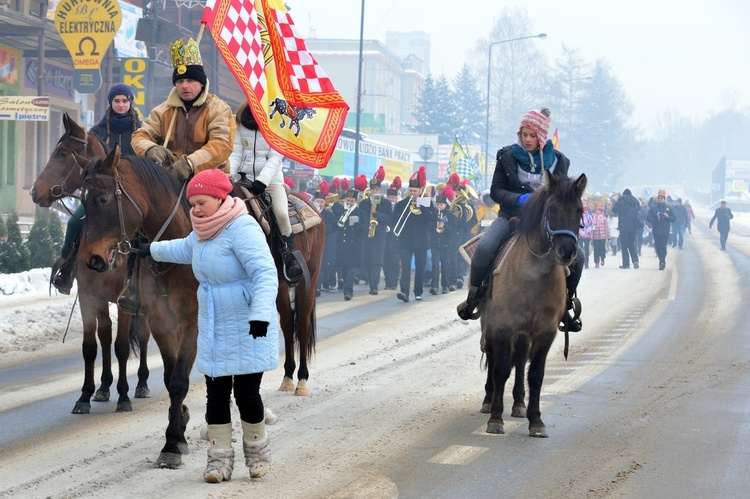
(238, 283)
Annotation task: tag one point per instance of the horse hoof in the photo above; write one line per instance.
(101, 396)
(496, 428)
(124, 406)
(142, 392)
(81, 408)
(538, 431)
(485, 409)
(301, 390)
(287, 385)
(168, 460)
(518, 412)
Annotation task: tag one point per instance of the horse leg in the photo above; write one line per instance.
(489, 388)
(501, 352)
(521, 355)
(143, 333)
(305, 327)
(536, 376)
(284, 306)
(104, 331)
(88, 315)
(176, 378)
(122, 352)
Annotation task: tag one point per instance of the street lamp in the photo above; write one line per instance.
(489, 72)
(359, 89)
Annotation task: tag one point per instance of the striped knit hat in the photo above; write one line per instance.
(538, 121)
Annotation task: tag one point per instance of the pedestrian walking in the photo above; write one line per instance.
(722, 216)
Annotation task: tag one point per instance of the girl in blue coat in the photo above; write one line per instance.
(237, 318)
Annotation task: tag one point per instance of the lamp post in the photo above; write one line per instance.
(359, 89)
(489, 73)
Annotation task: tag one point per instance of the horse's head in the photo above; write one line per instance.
(555, 212)
(564, 212)
(123, 196)
(61, 176)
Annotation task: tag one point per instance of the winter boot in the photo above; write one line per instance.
(220, 455)
(256, 447)
(466, 308)
(64, 271)
(292, 270)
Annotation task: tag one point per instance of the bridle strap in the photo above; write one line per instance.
(550, 234)
(59, 191)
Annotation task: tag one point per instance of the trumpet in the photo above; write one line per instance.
(342, 221)
(440, 223)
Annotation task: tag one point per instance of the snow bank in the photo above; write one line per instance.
(25, 282)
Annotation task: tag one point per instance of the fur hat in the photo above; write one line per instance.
(538, 121)
(120, 89)
(213, 182)
(662, 193)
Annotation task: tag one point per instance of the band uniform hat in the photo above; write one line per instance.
(662, 193)
(377, 179)
(352, 193)
(187, 62)
(418, 179)
(394, 187)
(322, 191)
(120, 89)
(213, 182)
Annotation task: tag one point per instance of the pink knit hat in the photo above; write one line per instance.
(212, 183)
(538, 121)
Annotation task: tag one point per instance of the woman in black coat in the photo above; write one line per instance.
(519, 171)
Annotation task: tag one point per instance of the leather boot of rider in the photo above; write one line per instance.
(64, 271)
(291, 266)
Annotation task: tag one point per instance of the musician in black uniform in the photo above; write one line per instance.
(441, 241)
(411, 221)
(391, 260)
(375, 224)
(327, 281)
(349, 242)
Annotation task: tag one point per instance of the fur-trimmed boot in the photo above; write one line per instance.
(256, 447)
(220, 455)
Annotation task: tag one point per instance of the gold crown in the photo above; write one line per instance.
(184, 55)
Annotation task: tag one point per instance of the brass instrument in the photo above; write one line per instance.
(342, 221)
(410, 208)
(460, 207)
(374, 202)
(440, 223)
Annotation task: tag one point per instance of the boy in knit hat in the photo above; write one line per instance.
(660, 218)
(193, 130)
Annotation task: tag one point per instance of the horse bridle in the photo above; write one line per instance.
(550, 234)
(59, 191)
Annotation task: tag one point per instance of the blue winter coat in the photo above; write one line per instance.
(238, 283)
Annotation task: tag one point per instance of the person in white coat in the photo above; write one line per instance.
(257, 164)
(238, 286)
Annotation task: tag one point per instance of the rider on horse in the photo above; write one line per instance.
(256, 164)
(519, 171)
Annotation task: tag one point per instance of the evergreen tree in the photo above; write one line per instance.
(14, 255)
(435, 110)
(471, 110)
(41, 248)
(56, 231)
(3, 231)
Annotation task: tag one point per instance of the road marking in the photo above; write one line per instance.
(672, 287)
(458, 455)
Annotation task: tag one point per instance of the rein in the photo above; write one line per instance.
(60, 191)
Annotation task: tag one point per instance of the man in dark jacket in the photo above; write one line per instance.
(377, 215)
(722, 216)
(627, 209)
(349, 242)
(441, 242)
(680, 222)
(660, 218)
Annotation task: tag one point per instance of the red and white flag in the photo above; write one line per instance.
(297, 107)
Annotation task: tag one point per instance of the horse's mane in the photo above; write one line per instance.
(151, 176)
(532, 211)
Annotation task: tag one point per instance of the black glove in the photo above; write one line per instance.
(144, 250)
(258, 328)
(257, 187)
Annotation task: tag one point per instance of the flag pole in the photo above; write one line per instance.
(359, 90)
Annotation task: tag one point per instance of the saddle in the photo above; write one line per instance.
(302, 216)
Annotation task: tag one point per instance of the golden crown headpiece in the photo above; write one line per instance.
(184, 55)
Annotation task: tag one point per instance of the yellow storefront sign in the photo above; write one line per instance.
(87, 27)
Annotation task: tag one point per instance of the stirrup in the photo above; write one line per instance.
(61, 276)
(129, 302)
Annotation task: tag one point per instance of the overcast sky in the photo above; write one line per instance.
(681, 54)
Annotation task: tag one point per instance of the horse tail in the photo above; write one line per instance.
(313, 328)
(135, 344)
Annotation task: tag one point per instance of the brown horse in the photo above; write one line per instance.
(60, 178)
(526, 298)
(296, 305)
(132, 195)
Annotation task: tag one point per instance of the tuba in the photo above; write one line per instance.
(460, 207)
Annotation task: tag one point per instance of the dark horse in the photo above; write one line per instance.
(296, 306)
(521, 309)
(60, 178)
(123, 197)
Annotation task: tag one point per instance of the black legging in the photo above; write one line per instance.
(246, 396)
